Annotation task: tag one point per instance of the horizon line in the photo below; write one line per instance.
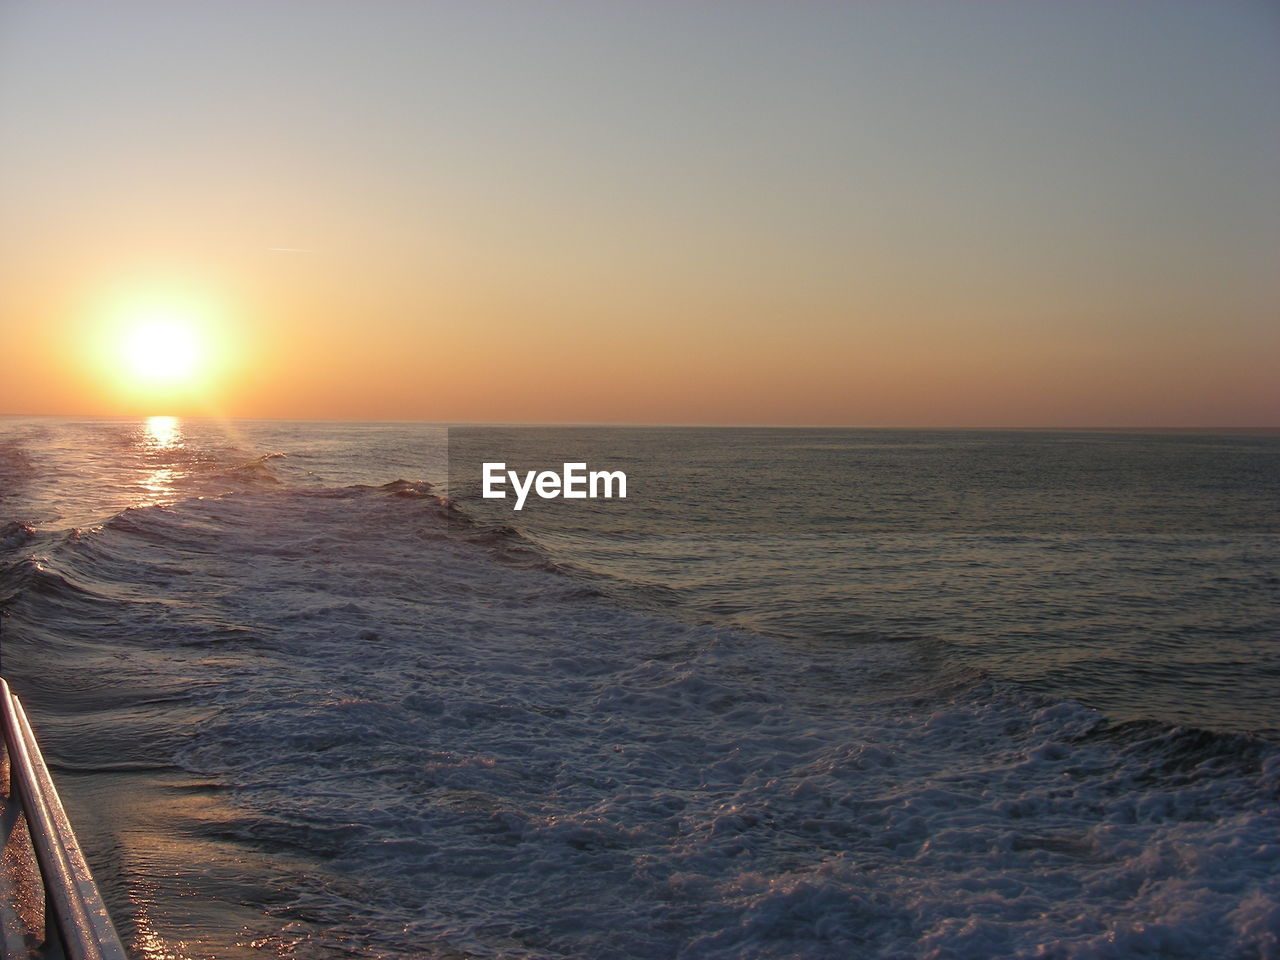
(639, 424)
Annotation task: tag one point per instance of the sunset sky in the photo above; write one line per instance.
(1035, 213)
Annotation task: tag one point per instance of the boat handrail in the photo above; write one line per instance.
(71, 895)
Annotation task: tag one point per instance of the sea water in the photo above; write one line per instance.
(803, 693)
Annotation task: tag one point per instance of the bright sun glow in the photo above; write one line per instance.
(162, 351)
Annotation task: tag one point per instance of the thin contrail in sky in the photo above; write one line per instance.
(289, 250)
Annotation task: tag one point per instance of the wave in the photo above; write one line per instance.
(14, 535)
(254, 471)
(458, 744)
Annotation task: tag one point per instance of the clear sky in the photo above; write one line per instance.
(1000, 213)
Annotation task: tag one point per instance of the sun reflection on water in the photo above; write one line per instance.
(161, 481)
(162, 433)
(161, 438)
(149, 943)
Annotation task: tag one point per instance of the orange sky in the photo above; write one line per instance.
(911, 215)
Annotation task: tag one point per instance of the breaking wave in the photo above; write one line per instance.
(436, 742)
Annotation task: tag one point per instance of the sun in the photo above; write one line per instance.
(170, 352)
(162, 351)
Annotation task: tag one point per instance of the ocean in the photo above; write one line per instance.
(803, 693)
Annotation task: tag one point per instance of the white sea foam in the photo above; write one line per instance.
(388, 731)
(473, 753)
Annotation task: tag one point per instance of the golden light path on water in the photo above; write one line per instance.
(167, 859)
(160, 435)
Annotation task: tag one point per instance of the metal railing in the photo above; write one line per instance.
(77, 925)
